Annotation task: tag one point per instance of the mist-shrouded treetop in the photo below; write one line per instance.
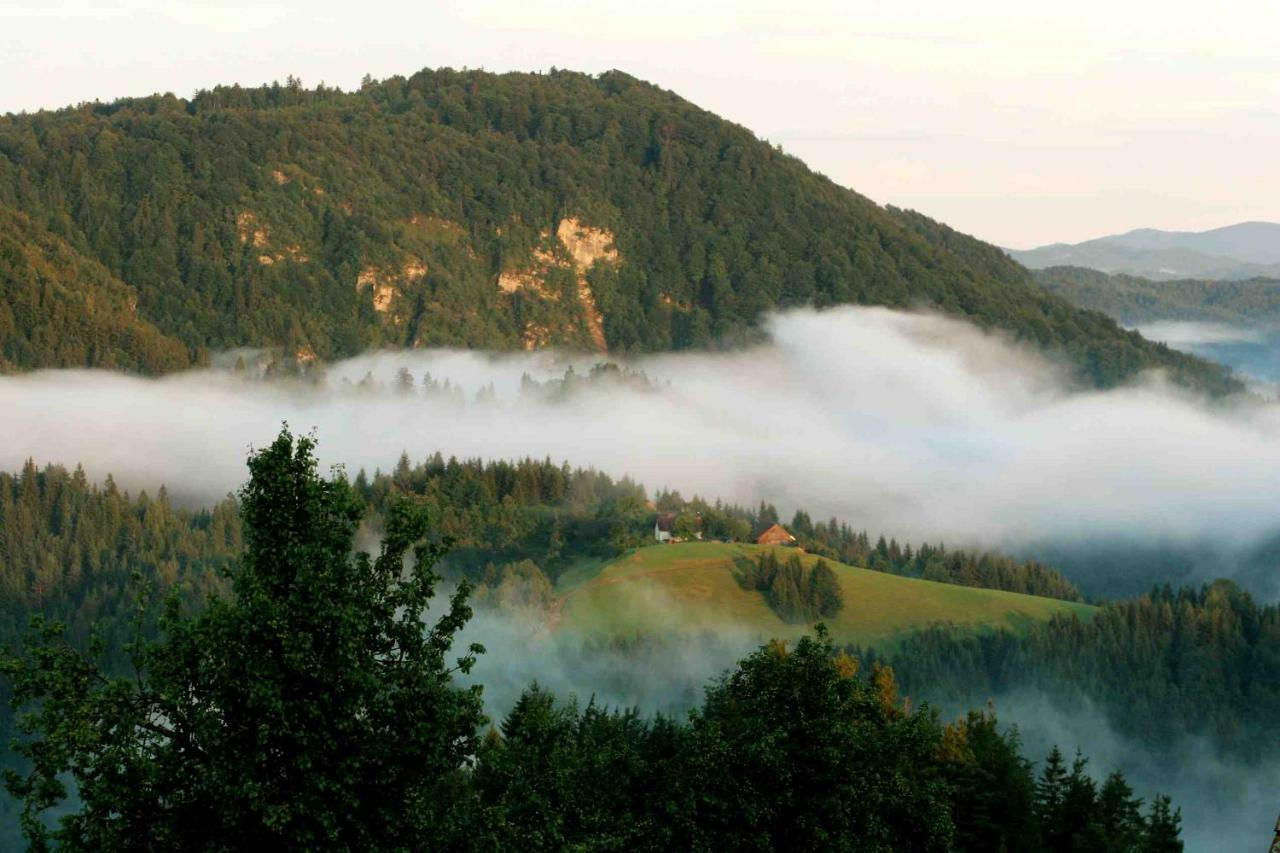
(467, 209)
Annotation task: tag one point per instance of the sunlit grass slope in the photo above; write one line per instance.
(694, 587)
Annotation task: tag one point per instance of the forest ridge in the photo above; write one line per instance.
(465, 209)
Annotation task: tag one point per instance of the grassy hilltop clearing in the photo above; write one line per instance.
(696, 586)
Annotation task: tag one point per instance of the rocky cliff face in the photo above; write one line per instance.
(577, 248)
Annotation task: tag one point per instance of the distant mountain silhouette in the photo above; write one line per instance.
(1246, 250)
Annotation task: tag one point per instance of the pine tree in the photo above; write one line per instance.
(404, 381)
(1080, 827)
(1051, 789)
(1119, 815)
(825, 598)
(1163, 827)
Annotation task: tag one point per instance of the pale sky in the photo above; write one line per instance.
(1010, 120)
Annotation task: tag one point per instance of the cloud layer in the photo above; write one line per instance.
(912, 424)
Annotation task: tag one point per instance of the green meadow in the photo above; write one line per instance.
(696, 586)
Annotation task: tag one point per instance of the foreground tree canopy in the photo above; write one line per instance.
(312, 706)
(317, 707)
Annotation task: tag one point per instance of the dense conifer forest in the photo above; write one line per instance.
(465, 209)
(1161, 667)
(1170, 663)
(311, 703)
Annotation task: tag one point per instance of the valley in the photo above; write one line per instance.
(552, 460)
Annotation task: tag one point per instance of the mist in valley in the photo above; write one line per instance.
(1226, 804)
(1252, 351)
(909, 424)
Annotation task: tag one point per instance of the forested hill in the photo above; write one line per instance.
(63, 309)
(1132, 299)
(466, 209)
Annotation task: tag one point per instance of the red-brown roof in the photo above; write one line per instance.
(775, 535)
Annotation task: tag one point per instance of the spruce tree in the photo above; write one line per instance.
(1051, 788)
(1164, 827)
(825, 598)
(1119, 815)
(1079, 827)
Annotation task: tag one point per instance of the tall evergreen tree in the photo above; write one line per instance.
(1119, 814)
(1164, 827)
(825, 598)
(1051, 792)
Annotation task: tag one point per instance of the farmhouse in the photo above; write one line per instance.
(663, 526)
(776, 535)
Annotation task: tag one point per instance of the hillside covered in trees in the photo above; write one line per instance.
(1187, 662)
(75, 551)
(1133, 300)
(1162, 666)
(314, 704)
(465, 209)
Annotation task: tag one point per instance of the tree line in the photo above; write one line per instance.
(934, 562)
(69, 547)
(1131, 299)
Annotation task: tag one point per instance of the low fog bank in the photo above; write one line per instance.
(653, 675)
(1186, 333)
(1252, 351)
(910, 424)
(663, 672)
(1226, 805)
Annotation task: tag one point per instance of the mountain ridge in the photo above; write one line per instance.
(1233, 252)
(452, 209)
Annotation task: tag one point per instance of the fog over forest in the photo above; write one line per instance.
(1226, 805)
(906, 423)
(1252, 351)
(910, 424)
